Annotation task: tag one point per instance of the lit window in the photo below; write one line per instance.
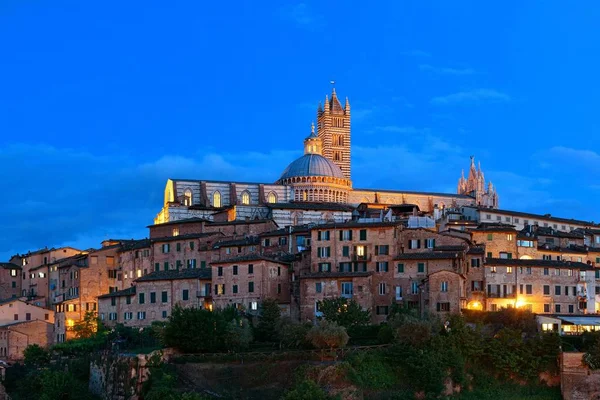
(254, 305)
(246, 198)
(360, 251)
(272, 198)
(509, 270)
(217, 199)
(187, 197)
(176, 232)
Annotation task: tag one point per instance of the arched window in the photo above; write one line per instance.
(187, 197)
(245, 198)
(217, 199)
(272, 198)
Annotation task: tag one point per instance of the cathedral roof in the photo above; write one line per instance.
(312, 165)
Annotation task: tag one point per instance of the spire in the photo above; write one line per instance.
(327, 103)
(347, 106)
(312, 130)
(313, 143)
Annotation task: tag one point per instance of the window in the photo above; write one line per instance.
(528, 270)
(113, 301)
(278, 271)
(509, 237)
(141, 314)
(443, 307)
(566, 290)
(245, 198)
(254, 305)
(272, 198)
(16, 317)
(324, 252)
(505, 255)
(430, 243)
(382, 310)
(488, 216)
(360, 251)
(421, 268)
(28, 316)
(382, 288)
(414, 244)
(152, 297)
(400, 268)
(166, 248)
(546, 271)
(557, 271)
(509, 270)
(493, 270)
(571, 309)
(127, 316)
(475, 262)
(166, 265)
(235, 269)
(557, 308)
(227, 250)
(156, 266)
(363, 234)
(191, 263)
(324, 267)
(164, 314)
(250, 287)
(235, 289)
(319, 287)
(525, 243)
(345, 235)
(217, 199)
(414, 287)
(346, 251)
(345, 267)
(490, 236)
(220, 271)
(489, 254)
(128, 299)
(494, 307)
(164, 296)
(528, 289)
(382, 266)
(382, 250)
(557, 290)
(347, 289)
(250, 269)
(220, 289)
(398, 292)
(547, 290)
(178, 247)
(13, 272)
(444, 286)
(498, 218)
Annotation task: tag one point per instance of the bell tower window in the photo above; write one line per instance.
(337, 156)
(187, 197)
(245, 198)
(217, 199)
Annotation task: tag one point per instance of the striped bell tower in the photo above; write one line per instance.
(334, 130)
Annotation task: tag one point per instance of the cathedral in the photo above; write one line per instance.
(315, 188)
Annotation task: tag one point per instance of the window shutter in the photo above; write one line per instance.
(376, 250)
(432, 242)
(418, 243)
(350, 232)
(341, 235)
(410, 244)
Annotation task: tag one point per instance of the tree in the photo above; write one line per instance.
(194, 330)
(36, 356)
(87, 327)
(306, 390)
(266, 330)
(292, 335)
(237, 335)
(328, 335)
(592, 356)
(344, 313)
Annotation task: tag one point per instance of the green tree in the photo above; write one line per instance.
(87, 327)
(237, 335)
(344, 313)
(592, 356)
(36, 356)
(194, 330)
(61, 385)
(306, 390)
(328, 335)
(292, 335)
(266, 330)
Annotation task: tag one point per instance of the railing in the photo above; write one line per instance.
(501, 295)
(366, 257)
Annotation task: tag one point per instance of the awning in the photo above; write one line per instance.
(581, 320)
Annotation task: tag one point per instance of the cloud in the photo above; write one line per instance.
(446, 70)
(302, 15)
(476, 96)
(415, 53)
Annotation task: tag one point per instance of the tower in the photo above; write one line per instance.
(475, 187)
(333, 127)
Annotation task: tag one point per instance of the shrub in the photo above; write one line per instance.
(592, 357)
(344, 313)
(293, 335)
(237, 335)
(266, 329)
(36, 356)
(328, 335)
(306, 390)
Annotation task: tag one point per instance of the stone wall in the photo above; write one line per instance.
(577, 381)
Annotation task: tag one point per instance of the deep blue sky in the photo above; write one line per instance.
(100, 102)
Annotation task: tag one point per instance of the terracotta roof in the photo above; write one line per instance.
(570, 249)
(476, 250)
(185, 237)
(534, 216)
(537, 263)
(493, 227)
(285, 231)
(250, 257)
(449, 248)
(181, 221)
(249, 241)
(336, 275)
(173, 274)
(242, 222)
(354, 224)
(430, 255)
(125, 292)
(9, 266)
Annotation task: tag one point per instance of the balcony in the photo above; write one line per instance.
(202, 293)
(501, 295)
(364, 257)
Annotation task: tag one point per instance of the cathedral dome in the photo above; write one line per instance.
(312, 165)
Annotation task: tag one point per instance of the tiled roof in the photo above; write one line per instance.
(449, 248)
(476, 250)
(570, 249)
(534, 216)
(493, 227)
(125, 292)
(127, 245)
(250, 257)
(9, 266)
(430, 255)
(336, 275)
(537, 263)
(249, 241)
(547, 231)
(185, 237)
(181, 221)
(242, 222)
(173, 274)
(285, 231)
(354, 224)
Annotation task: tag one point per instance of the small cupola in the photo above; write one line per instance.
(313, 144)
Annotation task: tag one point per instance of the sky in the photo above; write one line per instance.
(101, 102)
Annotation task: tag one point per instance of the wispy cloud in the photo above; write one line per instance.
(475, 96)
(446, 70)
(415, 53)
(303, 16)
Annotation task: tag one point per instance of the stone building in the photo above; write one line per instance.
(15, 337)
(16, 310)
(244, 282)
(10, 281)
(154, 295)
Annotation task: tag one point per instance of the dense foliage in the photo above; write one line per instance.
(344, 312)
(266, 330)
(328, 335)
